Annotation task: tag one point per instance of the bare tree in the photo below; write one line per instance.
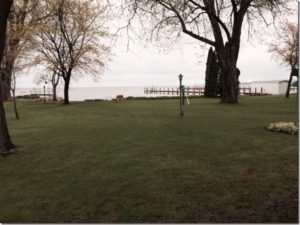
(217, 23)
(70, 39)
(285, 49)
(50, 75)
(6, 144)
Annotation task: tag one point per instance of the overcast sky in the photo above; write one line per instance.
(150, 67)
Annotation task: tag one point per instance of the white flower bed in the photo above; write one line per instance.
(284, 127)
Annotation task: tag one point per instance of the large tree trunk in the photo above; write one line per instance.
(228, 56)
(16, 23)
(5, 140)
(230, 85)
(230, 74)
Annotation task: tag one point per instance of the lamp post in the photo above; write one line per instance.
(180, 102)
(45, 91)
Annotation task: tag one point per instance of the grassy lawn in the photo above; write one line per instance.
(138, 162)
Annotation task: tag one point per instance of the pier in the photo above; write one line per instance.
(190, 91)
(199, 91)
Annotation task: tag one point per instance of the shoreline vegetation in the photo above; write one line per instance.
(138, 162)
(40, 98)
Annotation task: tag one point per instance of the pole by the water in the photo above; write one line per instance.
(180, 96)
(44, 93)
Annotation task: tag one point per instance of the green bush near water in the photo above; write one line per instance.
(32, 96)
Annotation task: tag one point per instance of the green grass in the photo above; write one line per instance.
(138, 162)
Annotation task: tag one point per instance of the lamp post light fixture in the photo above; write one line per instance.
(181, 96)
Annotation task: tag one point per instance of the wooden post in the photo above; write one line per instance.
(44, 93)
(181, 100)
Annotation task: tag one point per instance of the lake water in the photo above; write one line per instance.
(83, 93)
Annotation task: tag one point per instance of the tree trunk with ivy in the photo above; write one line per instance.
(6, 80)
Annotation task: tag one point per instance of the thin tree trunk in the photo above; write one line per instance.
(55, 82)
(54, 92)
(66, 91)
(15, 105)
(5, 141)
(13, 89)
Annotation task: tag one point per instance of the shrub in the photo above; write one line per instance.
(284, 127)
(32, 96)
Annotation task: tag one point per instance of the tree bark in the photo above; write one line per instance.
(15, 105)
(66, 94)
(287, 95)
(66, 89)
(55, 82)
(230, 85)
(5, 141)
(230, 75)
(16, 23)
(54, 93)
(4, 12)
(13, 90)
(6, 79)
